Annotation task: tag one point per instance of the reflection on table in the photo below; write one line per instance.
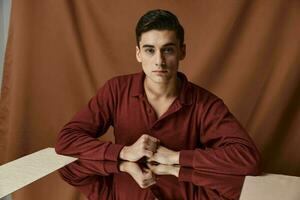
(127, 180)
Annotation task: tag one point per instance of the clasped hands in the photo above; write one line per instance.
(149, 147)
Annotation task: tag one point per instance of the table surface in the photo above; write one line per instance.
(23, 171)
(191, 184)
(271, 187)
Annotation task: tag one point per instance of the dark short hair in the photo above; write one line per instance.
(159, 20)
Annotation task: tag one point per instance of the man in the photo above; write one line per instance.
(158, 114)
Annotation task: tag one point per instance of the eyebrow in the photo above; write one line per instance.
(151, 46)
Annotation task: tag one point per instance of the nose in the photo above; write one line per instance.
(160, 59)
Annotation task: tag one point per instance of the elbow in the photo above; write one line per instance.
(63, 143)
(59, 149)
(253, 167)
(256, 168)
(68, 176)
(248, 160)
(60, 146)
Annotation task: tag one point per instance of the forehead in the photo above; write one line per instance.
(158, 37)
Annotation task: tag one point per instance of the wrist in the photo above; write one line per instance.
(122, 166)
(175, 158)
(175, 171)
(122, 154)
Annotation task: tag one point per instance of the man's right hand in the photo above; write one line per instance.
(146, 145)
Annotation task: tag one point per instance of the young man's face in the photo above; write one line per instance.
(159, 54)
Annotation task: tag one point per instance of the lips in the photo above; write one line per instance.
(160, 71)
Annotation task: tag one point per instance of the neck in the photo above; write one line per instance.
(165, 90)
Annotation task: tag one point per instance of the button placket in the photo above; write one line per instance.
(170, 112)
(149, 111)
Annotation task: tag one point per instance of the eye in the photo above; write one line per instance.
(149, 51)
(168, 50)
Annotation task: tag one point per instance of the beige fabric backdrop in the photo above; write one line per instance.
(60, 51)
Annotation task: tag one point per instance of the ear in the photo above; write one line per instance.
(182, 52)
(138, 54)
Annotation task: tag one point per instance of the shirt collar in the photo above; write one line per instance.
(185, 95)
(138, 84)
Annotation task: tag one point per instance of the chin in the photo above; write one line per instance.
(159, 80)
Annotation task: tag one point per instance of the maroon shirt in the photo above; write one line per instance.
(102, 180)
(198, 124)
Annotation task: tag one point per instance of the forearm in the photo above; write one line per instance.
(89, 177)
(227, 185)
(79, 137)
(81, 144)
(234, 159)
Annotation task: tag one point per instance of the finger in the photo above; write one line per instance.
(156, 169)
(151, 181)
(147, 184)
(153, 140)
(149, 160)
(147, 153)
(151, 167)
(149, 176)
(151, 146)
(147, 138)
(153, 160)
(146, 171)
(148, 179)
(152, 164)
(150, 143)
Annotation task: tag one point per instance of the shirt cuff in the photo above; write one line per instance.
(186, 158)
(185, 174)
(112, 152)
(111, 167)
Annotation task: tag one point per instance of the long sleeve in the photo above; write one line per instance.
(228, 149)
(79, 137)
(82, 172)
(92, 178)
(228, 186)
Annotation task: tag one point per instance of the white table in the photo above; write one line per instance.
(23, 171)
(271, 187)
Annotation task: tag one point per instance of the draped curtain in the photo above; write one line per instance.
(59, 52)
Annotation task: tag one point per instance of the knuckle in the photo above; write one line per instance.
(144, 181)
(144, 136)
(144, 150)
(148, 176)
(144, 143)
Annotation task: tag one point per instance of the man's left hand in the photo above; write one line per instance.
(165, 156)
